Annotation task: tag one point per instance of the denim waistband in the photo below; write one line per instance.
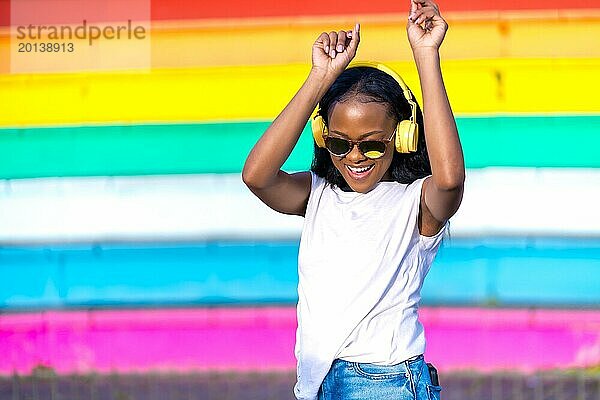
(400, 364)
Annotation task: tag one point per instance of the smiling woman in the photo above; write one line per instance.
(377, 196)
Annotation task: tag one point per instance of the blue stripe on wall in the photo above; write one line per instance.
(513, 271)
(220, 272)
(510, 271)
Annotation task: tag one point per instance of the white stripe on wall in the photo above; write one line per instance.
(497, 201)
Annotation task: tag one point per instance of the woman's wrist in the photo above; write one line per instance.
(421, 54)
(320, 79)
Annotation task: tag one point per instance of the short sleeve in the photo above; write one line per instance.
(428, 243)
(433, 242)
(317, 184)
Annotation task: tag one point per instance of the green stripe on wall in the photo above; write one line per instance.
(523, 141)
(135, 150)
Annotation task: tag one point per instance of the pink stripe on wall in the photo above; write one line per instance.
(525, 340)
(262, 339)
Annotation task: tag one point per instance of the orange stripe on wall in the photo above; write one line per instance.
(382, 39)
(539, 34)
(193, 9)
(4, 43)
(4, 51)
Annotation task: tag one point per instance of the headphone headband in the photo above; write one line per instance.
(384, 68)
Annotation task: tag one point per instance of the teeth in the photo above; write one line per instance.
(359, 170)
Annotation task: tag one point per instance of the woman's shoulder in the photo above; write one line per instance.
(404, 189)
(317, 182)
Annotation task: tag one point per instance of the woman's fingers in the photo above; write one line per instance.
(324, 39)
(332, 44)
(423, 12)
(425, 26)
(354, 40)
(338, 42)
(423, 3)
(420, 7)
(413, 7)
(341, 41)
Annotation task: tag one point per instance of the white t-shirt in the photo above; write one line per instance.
(361, 265)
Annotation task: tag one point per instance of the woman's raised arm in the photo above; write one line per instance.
(288, 193)
(442, 193)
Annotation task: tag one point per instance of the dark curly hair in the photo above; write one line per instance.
(369, 84)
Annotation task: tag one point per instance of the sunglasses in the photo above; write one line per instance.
(372, 149)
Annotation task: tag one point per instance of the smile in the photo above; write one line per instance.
(358, 173)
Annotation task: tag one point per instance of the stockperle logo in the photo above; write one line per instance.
(82, 35)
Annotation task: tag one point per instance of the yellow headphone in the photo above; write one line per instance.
(407, 131)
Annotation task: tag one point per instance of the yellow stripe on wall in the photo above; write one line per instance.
(260, 92)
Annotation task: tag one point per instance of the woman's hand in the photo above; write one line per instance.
(425, 27)
(332, 52)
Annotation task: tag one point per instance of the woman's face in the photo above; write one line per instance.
(355, 121)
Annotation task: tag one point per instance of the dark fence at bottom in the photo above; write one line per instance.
(45, 385)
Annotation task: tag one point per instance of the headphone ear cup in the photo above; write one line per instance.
(407, 135)
(319, 130)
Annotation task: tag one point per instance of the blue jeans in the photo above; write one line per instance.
(408, 380)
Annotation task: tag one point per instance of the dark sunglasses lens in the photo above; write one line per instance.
(372, 148)
(337, 146)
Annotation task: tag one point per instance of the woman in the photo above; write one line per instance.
(384, 182)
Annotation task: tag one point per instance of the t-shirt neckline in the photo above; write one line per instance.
(352, 194)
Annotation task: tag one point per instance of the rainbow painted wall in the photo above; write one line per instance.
(129, 243)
